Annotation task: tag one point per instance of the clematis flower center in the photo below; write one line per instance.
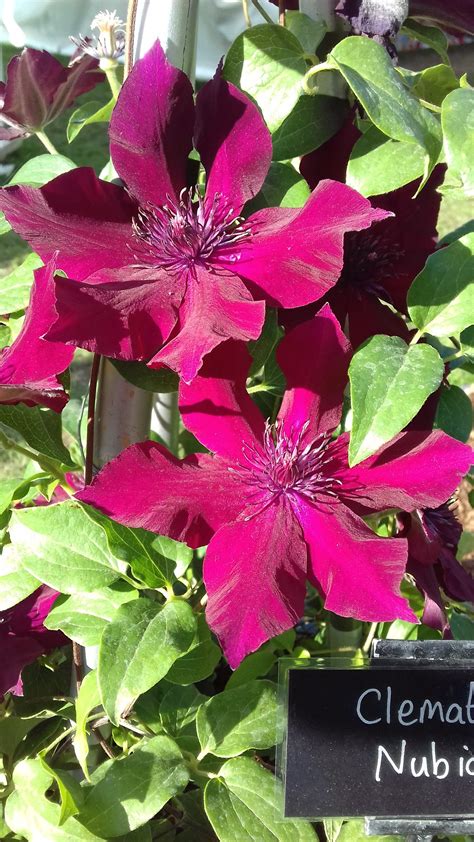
(287, 464)
(368, 259)
(177, 236)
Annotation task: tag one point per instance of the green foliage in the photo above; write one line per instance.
(440, 300)
(384, 368)
(84, 616)
(39, 428)
(90, 112)
(369, 71)
(454, 413)
(379, 164)
(15, 287)
(429, 35)
(457, 118)
(267, 62)
(283, 187)
(312, 121)
(236, 720)
(161, 380)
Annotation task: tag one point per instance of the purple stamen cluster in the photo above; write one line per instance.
(179, 235)
(367, 259)
(288, 465)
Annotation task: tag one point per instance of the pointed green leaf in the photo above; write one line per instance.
(309, 32)
(63, 547)
(454, 413)
(457, 118)
(139, 374)
(313, 120)
(88, 698)
(283, 187)
(441, 298)
(138, 648)
(244, 804)
(15, 582)
(201, 659)
(129, 791)
(382, 370)
(236, 720)
(85, 115)
(368, 70)
(379, 165)
(429, 35)
(267, 63)
(70, 792)
(41, 169)
(15, 287)
(40, 429)
(84, 616)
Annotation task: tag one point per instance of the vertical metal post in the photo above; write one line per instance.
(123, 413)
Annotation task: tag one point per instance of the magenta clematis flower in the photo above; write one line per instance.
(379, 264)
(278, 502)
(433, 537)
(39, 88)
(30, 367)
(170, 274)
(23, 637)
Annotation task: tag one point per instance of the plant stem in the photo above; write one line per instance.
(131, 20)
(44, 462)
(112, 79)
(245, 10)
(370, 637)
(263, 13)
(311, 89)
(77, 658)
(91, 420)
(282, 12)
(416, 337)
(47, 143)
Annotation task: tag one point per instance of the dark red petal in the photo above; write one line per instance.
(255, 574)
(125, 319)
(86, 219)
(330, 159)
(217, 306)
(233, 141)
(414, 470)
(314, 358)
(358, 573)
(457, 14)
(294, 257)
(29, 368)
(367, 316)
(151, 129)
(434, 611)
(216, 406)
(147, 487)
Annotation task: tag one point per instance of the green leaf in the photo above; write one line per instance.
(466, 339)
(178, 709)
(5, 226)
(379, 165)
(332, 829)
(41, 169)
(454, 413)
(161, 380)
(283, 187)
(244, 804)
(15, 582)
(309, 32)
(70, 792)
(63, 547)
(265, 344)
(267, 63)
(253, 666)
(441, 298)
(88, 698)
(40, 429)
(12, 489)
(138, 648)
(15, 287)
(129, 791)
(384, 368)
(236, 720)
(36, 818)
(5, 335)
(90, 112)
(354, 831)
(457, 119)
(435, 83)
(155, 560)
(313, 120)
(429, 35)
(368, 70)
(201, 659)
(462, 626)
(84, 616)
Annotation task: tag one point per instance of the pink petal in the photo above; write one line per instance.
(86, 219)
(216, 406)
(217, 306)
(151, 129)
(315, 379)
(255, 573)
(147, 487)
(127, 320)
(29, 368)
(295, 256)
(233, 141)
(414, 470)
(358, 573)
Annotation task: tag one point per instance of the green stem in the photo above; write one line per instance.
(416, 338)
(43, 461)
(263, 13)
(430, 106)
(370, 637)
(310, 88)
(112, 79)
(47, 143)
